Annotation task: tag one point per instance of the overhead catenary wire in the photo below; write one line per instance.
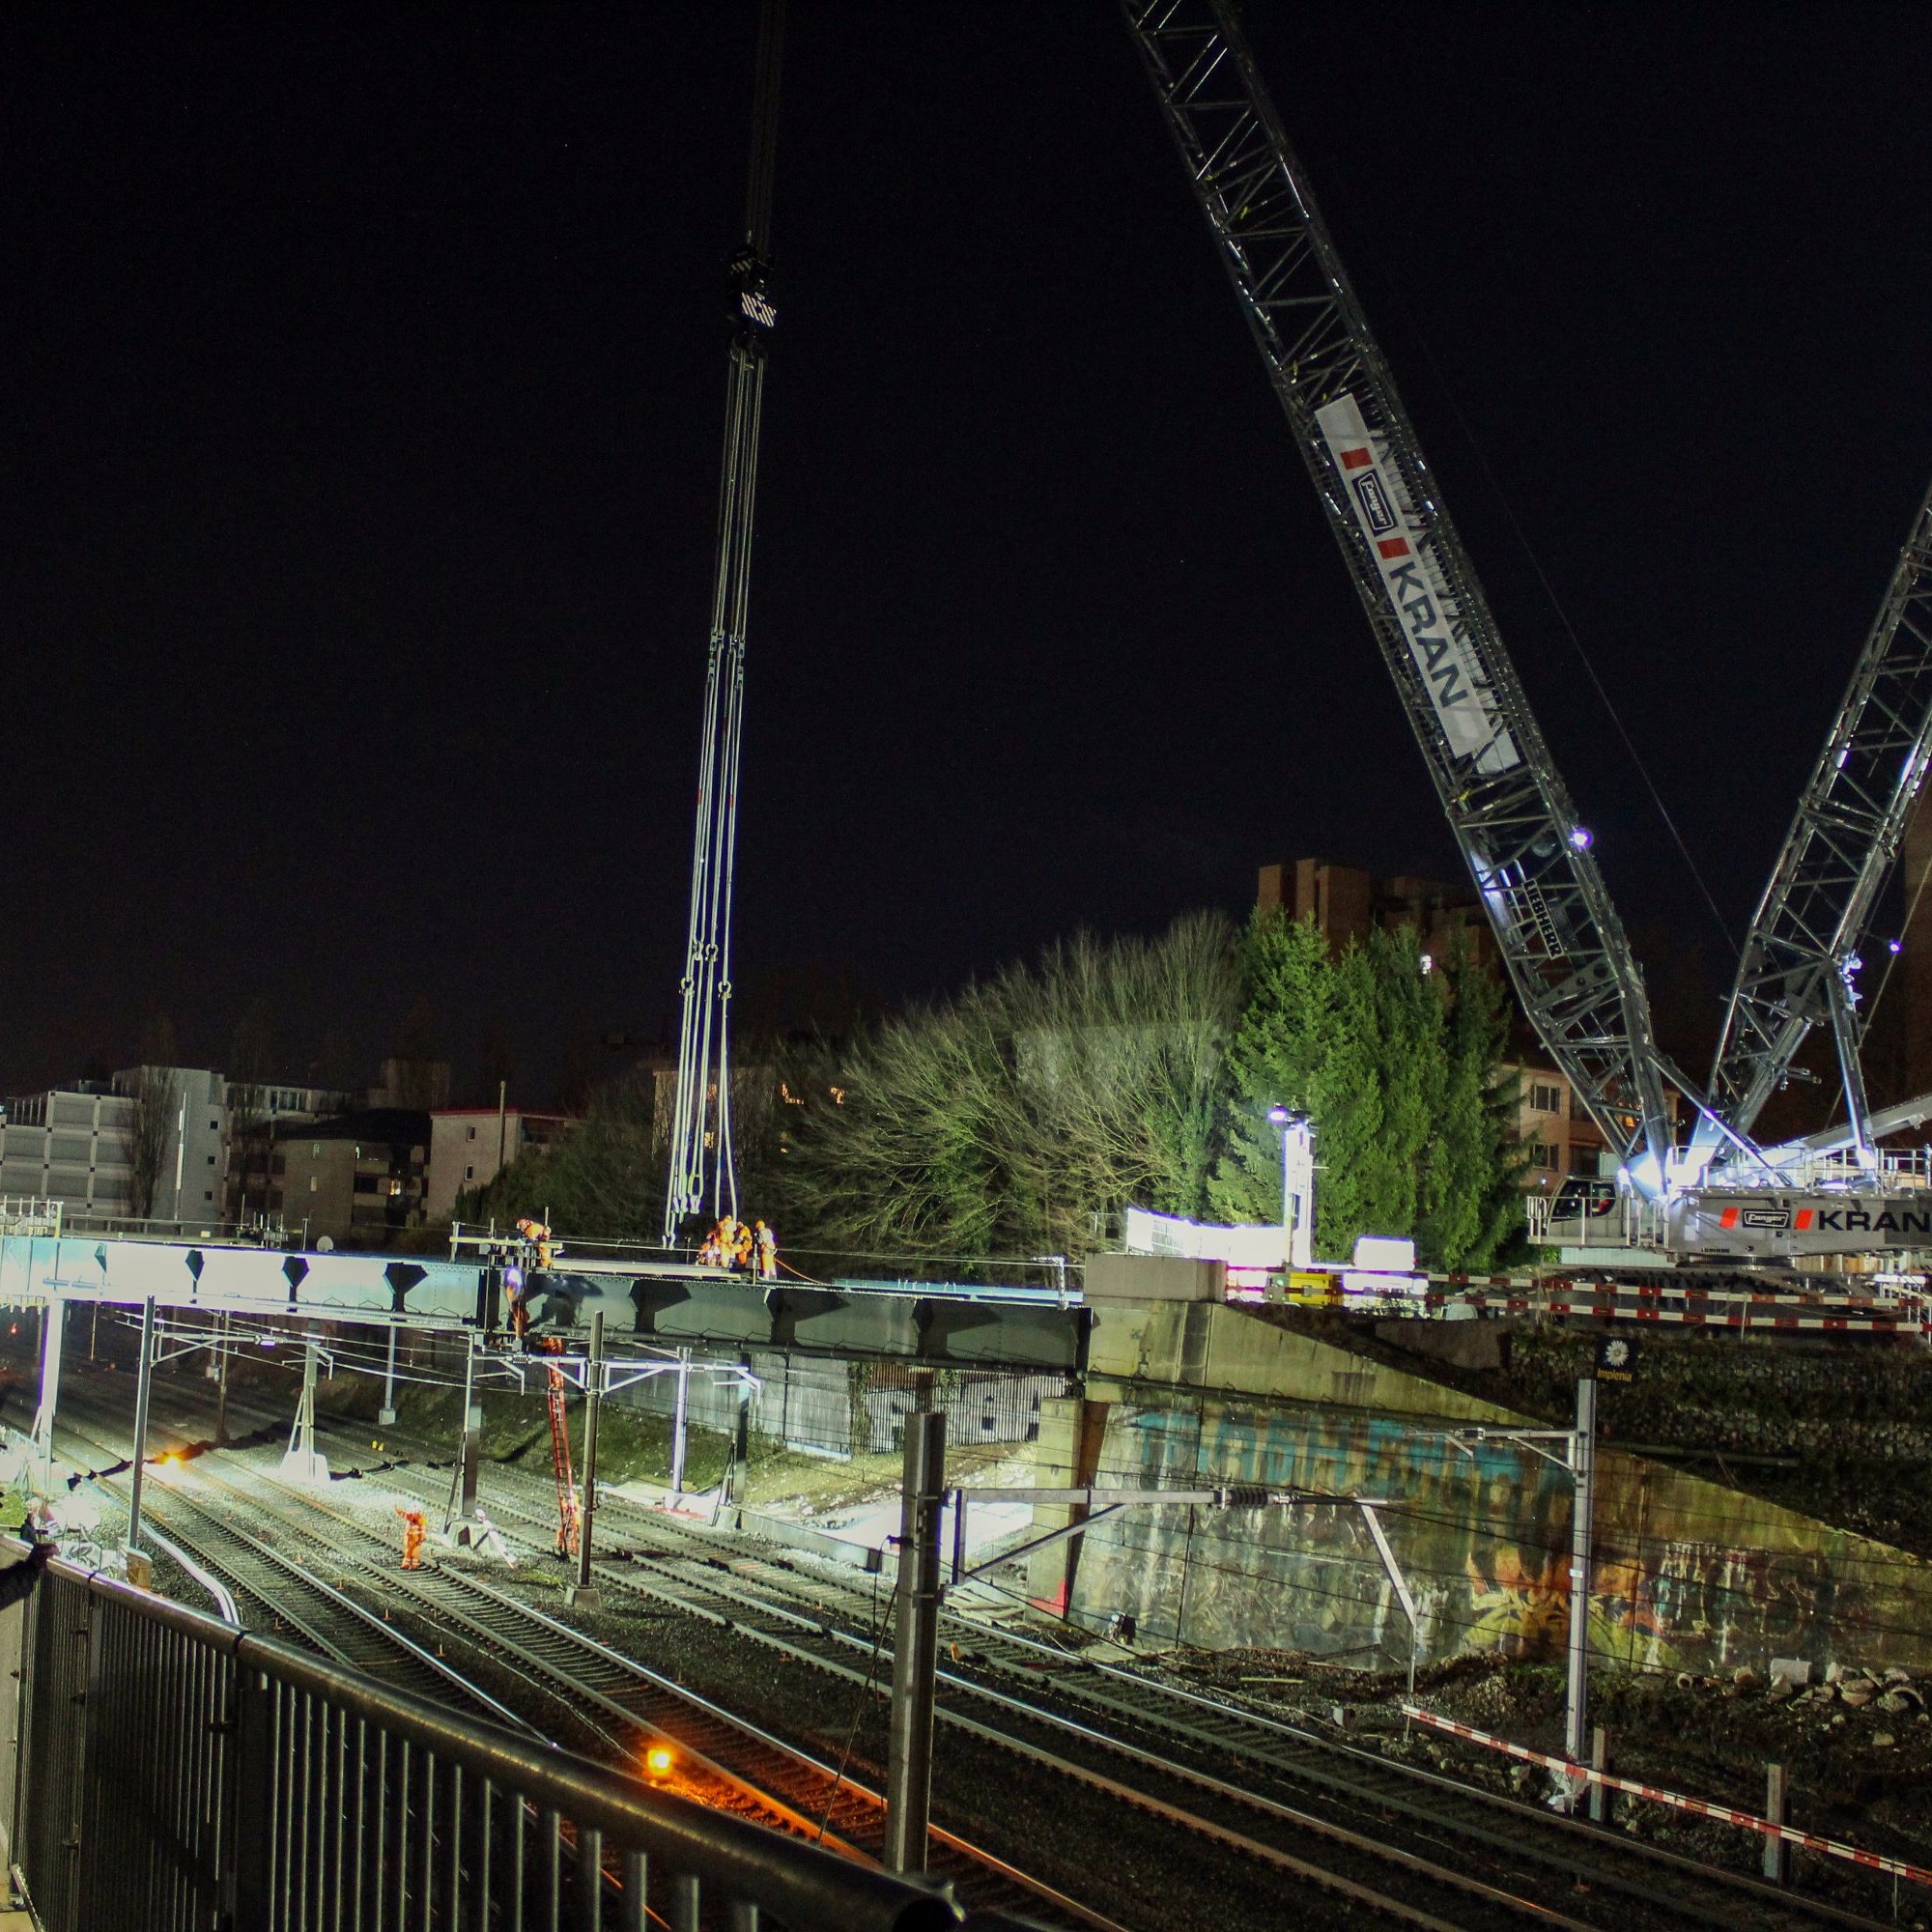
(1338, 192)
(1576, 643)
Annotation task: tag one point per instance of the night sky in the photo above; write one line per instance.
(363, 382)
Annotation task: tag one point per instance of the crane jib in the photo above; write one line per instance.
(1423, 603)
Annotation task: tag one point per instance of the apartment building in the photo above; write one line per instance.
(468, 1146)
(76, 1145)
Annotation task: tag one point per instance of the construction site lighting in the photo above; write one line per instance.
(659, 1759)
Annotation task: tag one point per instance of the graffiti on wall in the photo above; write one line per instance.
(1687, 1574)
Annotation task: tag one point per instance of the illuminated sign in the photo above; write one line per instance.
(1419, 593)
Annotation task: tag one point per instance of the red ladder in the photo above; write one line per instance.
(566, 1480)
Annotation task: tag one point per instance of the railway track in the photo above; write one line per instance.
(1321, 1812)
(1092, 1712)
(716, 1756)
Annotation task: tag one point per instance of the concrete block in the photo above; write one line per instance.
(1793, 1670)
(1154, 1278)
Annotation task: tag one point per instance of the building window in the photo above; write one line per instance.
(1542, 1154)
(211, 1160)
(312, 1183)
(470, 1174)
(210, 1195)
(1545, 1099)
(472, 1134)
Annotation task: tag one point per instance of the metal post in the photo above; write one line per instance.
(300, 1461)
(1583, 1468)
(585, 1595)
(915, 1649)
(1301, 1243)
(221, 1388)
(1599, 1757)
(679, 1422)
(741, 1442)
(1777, 1852)
(53, 1330)
(502, 1121)
(142, 1380)
(472, 1428)
(386, 1414)
(1286, 1195)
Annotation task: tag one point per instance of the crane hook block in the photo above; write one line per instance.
(752, 308)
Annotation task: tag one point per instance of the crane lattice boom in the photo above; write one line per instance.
(1798, 961)
(1559, 935)
(700, 1137)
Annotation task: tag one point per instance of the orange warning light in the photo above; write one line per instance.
(170, 1461)
(658, 1760)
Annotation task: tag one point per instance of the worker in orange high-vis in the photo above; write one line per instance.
(742, 1246)
(766, 1246)
(413, 1538)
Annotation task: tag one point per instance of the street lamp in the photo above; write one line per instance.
(1297, 1184)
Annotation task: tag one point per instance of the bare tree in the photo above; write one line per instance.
(251, 1053)
(1011, 1118)
(146, 1137)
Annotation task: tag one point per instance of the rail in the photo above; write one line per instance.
(173, 1769)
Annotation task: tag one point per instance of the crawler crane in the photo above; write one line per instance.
(1527, 849)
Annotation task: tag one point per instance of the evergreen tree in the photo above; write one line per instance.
(1277, 1056)
(1478, 1216)
(1397, 1065)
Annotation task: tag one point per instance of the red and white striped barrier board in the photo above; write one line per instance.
(1697, 1309)
(1701, 1807)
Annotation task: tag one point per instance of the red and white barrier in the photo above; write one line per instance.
(1632, 1306)
(1700, 1807)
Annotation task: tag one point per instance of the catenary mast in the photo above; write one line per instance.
(701, 1170)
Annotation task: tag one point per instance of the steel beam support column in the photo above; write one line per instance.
(916, 1648)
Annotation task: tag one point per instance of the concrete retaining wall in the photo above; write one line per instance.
(1689, 1574)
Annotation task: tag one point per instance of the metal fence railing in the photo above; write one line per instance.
(173, 1771)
